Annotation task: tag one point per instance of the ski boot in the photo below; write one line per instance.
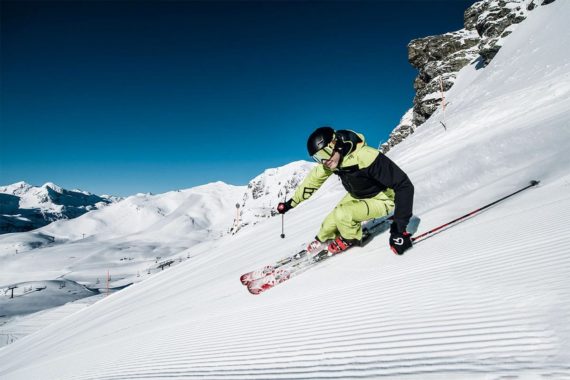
(315, 248)
(341, 244)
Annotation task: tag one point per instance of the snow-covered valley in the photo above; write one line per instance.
(123, 243)
(486, 299)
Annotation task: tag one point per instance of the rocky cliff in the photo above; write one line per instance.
(439, 58)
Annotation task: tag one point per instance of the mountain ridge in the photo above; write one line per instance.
(487, 299)
(24, 207)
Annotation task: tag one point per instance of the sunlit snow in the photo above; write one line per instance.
(486, 299)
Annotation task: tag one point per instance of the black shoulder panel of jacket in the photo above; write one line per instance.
(390, 175)
(346, 141)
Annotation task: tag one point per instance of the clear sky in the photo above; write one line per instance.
(147, 96)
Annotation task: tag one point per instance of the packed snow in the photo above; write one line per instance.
(486, 299)
(130, 238)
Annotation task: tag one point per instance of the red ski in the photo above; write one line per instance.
(271, 275)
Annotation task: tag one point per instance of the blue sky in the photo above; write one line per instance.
(132, 96)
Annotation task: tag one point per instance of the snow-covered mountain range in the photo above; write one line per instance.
(24, 207)
(133, 238)
(486, 299)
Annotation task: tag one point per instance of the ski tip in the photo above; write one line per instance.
(254, 291)
(245, 279)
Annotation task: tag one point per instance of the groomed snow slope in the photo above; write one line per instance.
(487, 299)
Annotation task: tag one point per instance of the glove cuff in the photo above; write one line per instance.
(395, 228)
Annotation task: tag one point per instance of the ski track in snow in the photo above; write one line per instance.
(446, 309)
(487, 299)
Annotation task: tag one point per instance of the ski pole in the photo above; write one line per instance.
(283, 217)
(532, 183)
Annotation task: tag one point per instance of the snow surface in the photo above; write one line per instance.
(487, 299)
(129, 238)
(29, 297)
(18, 327)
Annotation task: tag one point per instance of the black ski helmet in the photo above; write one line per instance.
(319, 139)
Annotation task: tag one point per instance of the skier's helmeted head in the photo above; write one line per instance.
(320, 144)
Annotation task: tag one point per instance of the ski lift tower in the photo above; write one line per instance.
(11, 288)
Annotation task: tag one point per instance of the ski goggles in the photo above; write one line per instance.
(323, 155)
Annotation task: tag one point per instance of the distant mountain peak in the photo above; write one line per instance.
(269, 188)
(24, 207)
(53, 186)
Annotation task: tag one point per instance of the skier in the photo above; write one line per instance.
(376, 186)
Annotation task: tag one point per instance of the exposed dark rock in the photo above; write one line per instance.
(439, 58)
(497, 17)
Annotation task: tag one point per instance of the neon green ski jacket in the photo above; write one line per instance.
(364, 173)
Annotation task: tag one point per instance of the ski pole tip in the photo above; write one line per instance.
(534, 182)
(282, 236)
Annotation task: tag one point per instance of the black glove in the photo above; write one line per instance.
(400, 242)
(283, 207)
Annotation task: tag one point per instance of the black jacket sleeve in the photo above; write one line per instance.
(346, 142)
(387, 173)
